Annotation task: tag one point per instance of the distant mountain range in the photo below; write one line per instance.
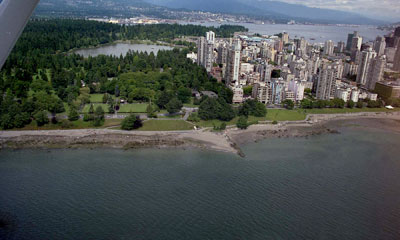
(260, 9)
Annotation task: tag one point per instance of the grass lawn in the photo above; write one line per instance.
(171, 117)
(95, 105)
(292, 115)
(285, 115)
(165, 125)
(215, 122)
(133, 107)
(347, 110)
(97, 97)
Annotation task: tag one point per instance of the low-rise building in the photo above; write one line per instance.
(387, 90)
(237, 94)
(261, 92)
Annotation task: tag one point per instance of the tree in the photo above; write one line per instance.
(131, 122)
(350, 104)
(41, 118)
(164, 99)
(6, 121)
(242, 122)
(360, 104)
(288, 104)
(253, 107)
(211, 108)
(247, 90)
(184, 94)
(338, 103)
(111, 105)
(276, 73)
(73, 114)
(150, 112)
(98, 116)
(174, 105)
(56, 106)
(306, 104)
(105, 97)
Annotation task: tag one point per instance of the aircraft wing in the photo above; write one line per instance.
(14, 14)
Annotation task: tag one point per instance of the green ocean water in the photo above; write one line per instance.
(339, 186)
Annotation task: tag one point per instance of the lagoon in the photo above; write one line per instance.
(120, 49)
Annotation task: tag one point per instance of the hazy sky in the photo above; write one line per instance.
(389, 9)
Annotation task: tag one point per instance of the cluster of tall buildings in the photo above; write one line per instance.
(280, 68)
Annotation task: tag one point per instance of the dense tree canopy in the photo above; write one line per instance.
(40, 76)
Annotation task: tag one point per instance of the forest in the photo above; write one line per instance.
(41, 78)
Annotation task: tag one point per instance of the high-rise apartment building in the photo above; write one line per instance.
(285, 37)
(396, 61)
(205, 53)
(363, 68)
(350, 40)
(376, 69)
(329, 48)
(327, 81)
(380, 45)
(234, 63)
(341, 47)
(222, 54)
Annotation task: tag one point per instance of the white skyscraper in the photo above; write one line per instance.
(329, 48)
(234, 63)
(365, 63)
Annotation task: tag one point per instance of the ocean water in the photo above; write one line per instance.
(339, 186)
(312, 33)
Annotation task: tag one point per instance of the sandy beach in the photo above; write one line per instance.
(227, 141)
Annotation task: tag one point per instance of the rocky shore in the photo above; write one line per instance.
(227, 141)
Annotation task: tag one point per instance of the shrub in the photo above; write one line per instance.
(131, 122)
(41, 118)
(174, 105)
(242, 122)
(194, 117)
(350, 104)
(66, 124)
(73, 115)
(288, 104)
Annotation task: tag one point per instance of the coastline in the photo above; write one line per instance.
(228, 141)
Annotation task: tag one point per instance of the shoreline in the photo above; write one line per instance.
(228, 141)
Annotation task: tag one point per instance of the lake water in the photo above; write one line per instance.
(320, 33)
(121, 48)
(343, 186)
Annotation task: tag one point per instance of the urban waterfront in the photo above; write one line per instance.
(323, 187)
(120, 49)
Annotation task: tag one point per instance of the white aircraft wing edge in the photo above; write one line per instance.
(14, 14)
